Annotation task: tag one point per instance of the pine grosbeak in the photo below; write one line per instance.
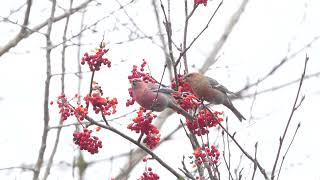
(206, 88)
(151, 97)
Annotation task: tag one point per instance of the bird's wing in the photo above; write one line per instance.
(165, 90)
(214, 84)
(155, 88)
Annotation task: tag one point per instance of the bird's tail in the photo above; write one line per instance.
(177, 108)
(229, 105)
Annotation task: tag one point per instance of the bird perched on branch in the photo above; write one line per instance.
(152, 97)
(208, 89)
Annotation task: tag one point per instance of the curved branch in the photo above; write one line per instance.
(233, 21)
(26, 32)
(153, 155)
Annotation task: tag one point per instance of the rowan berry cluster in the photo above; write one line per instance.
(142, 124)
(204, 120)
(100, 104)
(65, 109)
(184, 96)
(152, 140)
(131, 100)
(81, 112)
(204, 2)
(140, 74)
(183, 86)
(206, 154)
(95, 61)
(149, 175)
(87, 142)
(106, 106)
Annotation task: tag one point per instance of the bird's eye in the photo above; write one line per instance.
(134, 82)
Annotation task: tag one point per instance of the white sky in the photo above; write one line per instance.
(266, 32)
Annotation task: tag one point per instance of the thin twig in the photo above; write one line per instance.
(262, 170)
(185, 33)
(229, 152)
(223, 38)
(88, 123)
(185, 170)
(285, 154)
(168, 28)
(18, 167)
(280, 64)
(13, 42)
(197, 37)
(282, 85)
(91, 87)
(195, 144)
(224, 155)
(255, 160)
(296, 104)
(162, 39)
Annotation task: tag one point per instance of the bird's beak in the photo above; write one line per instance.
(184, 77)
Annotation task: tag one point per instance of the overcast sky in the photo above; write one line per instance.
(267, 32)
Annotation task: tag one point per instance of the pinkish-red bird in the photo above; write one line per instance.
(210, 90)
(152, 97)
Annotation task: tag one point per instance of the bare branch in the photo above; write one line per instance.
(24, 168)
(233, 21)
(153, 155)
(281, 86)
(280, 64)
(164, 46)
(87, 123)
(13, 42)
(262, 170)
(197, 37)
(63, 70)
(255, 160)
(46, 96)
(294, 108)
(185, 170)
(285, 154)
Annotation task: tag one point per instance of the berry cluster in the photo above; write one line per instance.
(204, 120)
(81, 112)
(138, 74)
(87, 142)
(204, 2)
(105, 105)
(206, 154)
(149, 175)
(131, 100)
(152, 140)
(95, 61)
(183, 86)
(185, 96)
(65, 109)
(142, 124)
(188, 102)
